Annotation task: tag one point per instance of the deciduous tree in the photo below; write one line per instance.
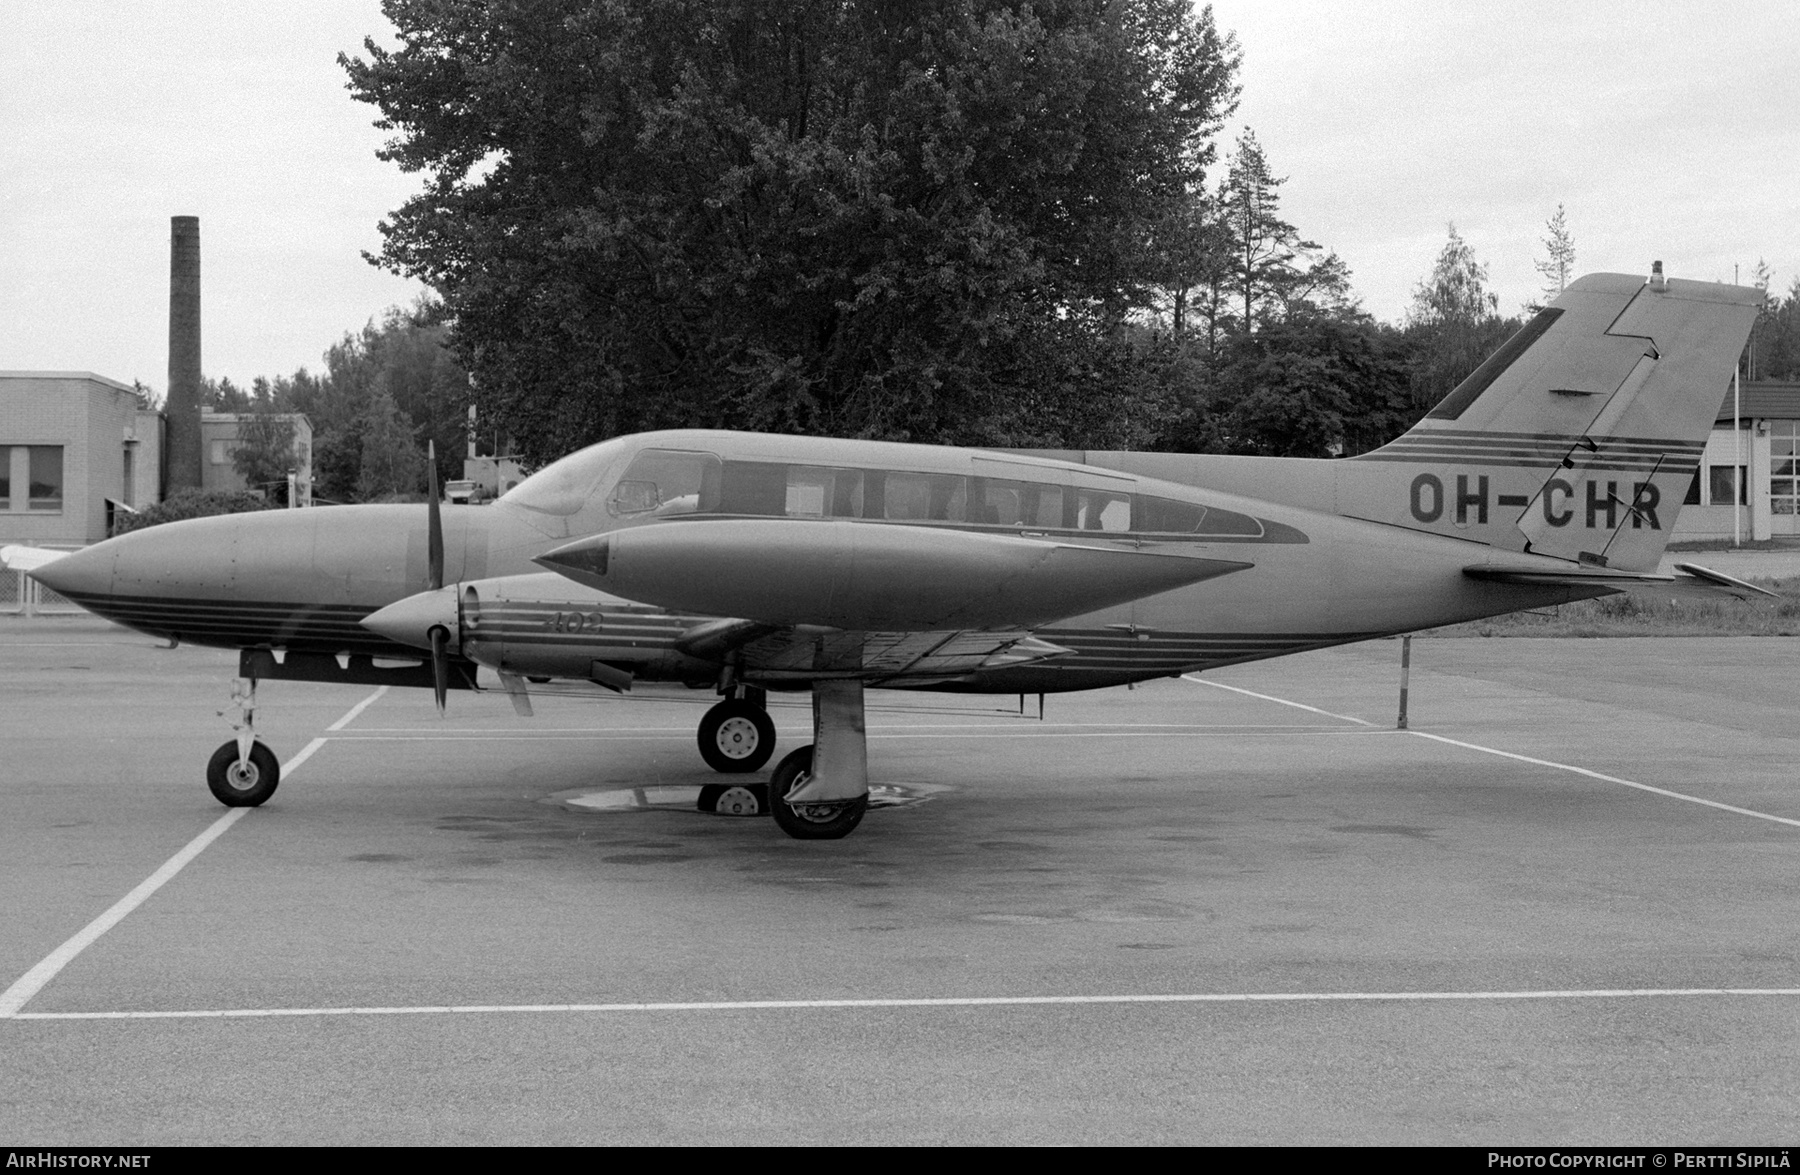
(860, 218)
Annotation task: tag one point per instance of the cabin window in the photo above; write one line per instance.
(661, 483)
(1165, 516)
(46, 477)
(1100, 510)
(999, 502)
(818, 492)
(924, 497)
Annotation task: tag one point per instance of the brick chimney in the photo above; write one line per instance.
(183, 460)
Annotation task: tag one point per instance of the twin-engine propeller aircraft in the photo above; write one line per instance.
(746, 562)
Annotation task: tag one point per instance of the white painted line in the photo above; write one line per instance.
(1252, 997)
(1244, 732)
(1028, 724)
(1660, 791)
(15, 997)
(33, 981)
(356, 710)
(1268, 698)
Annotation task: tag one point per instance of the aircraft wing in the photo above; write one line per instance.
(20, 558)
(1691, 580)
(800, 654)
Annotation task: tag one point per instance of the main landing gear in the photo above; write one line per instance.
(820, 792)
(737, 735)
(243, 772)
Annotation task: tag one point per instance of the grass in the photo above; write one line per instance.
(1646, 613)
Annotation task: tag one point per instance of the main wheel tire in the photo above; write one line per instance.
(736, 736)
(734, 799)
(810, 821)
(242, 785)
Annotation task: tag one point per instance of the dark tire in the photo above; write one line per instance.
(244, 787)
(736, 737)
(810, 821)
(735, 799)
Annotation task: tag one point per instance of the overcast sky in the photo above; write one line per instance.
(1668, 129)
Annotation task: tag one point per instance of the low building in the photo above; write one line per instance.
(1748, 483)
(221, 435)
(72, 443)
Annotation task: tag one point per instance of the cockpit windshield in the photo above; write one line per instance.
(566, 485)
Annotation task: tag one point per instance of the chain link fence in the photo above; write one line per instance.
(20, 595)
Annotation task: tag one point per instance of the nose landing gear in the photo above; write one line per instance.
(243, 772)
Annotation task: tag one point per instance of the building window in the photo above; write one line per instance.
(5, 477)
(1726, 482)
(219, 452)
(1784, 467)
(46, 477)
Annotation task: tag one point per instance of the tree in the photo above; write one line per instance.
(1263, 245)
(852, 218)
(393, 463)
(1775, 343)
(1559, 264)
(264, 453)
(1453, 323)
(1312, 385)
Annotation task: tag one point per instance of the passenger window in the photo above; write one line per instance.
(1166, 516)
(813, 492)
(1003, 503)
(666, 482)
(924, 497)
(1230, 522)
(1098, 510)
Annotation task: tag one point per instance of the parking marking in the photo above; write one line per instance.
(1651, 788)
(33, 981)
(874, 734)
(1660, 791)
(1271, 698)
(1247, 997)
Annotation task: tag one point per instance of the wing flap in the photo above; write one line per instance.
(807, 654)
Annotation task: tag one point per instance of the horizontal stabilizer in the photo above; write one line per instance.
(20, 558)
(870, 576)
(1736, 587)
(1693, 580)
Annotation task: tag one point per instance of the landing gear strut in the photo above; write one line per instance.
(243, 772)
(737, 735)
(820, 792)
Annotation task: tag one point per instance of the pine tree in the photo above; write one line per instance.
(1560, 265)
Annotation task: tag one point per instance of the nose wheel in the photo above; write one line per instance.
(242, 781)
(736, 736)
(243, 772)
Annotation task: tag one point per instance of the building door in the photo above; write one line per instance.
(1784, 477)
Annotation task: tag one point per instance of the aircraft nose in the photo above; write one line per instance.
(410, 621)
(87, 572)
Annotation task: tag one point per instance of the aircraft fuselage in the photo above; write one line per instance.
(302, 580)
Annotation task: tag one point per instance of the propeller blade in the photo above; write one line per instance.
(434, 547)
(440, 667)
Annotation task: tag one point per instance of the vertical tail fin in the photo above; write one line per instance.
(1580, 436)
